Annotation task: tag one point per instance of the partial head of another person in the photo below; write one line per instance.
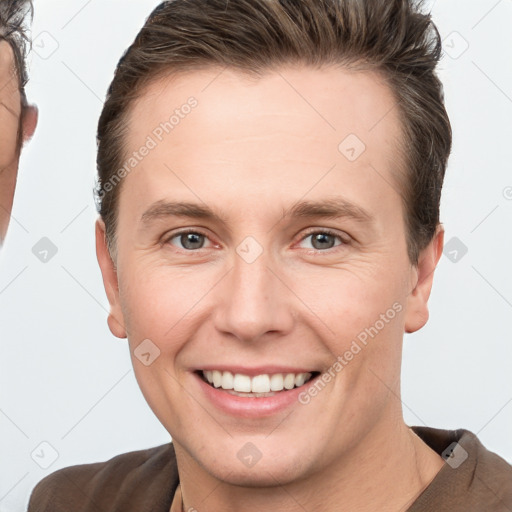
(18, 118)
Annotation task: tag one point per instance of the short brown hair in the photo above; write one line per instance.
(392, 37)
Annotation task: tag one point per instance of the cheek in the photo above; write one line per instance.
(9, 121)
(8, 174)
(7, 186)
(351, 299)
(155, 311)
(159, 301)
(362, 321)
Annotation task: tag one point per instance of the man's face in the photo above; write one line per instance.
(259, 290)
(10, 112)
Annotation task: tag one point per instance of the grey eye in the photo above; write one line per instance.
(189, 241)
(192, 241)
(323, 240)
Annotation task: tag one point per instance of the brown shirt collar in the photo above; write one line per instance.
(474, 479)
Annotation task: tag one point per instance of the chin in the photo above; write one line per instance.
(271, 470)
(262, 475)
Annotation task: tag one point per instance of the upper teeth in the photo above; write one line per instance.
(258, 384)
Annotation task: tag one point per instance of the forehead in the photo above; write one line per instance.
(272, 131)
(332, 98)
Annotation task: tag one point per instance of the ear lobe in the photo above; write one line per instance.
(417, 301)
(108, 271)
(29, 121)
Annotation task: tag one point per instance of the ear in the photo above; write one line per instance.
(109, 273)
(417, 301)
(29, 121)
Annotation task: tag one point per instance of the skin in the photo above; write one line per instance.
(250, 150)
(10, 113)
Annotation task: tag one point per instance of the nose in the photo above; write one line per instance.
(253, 301)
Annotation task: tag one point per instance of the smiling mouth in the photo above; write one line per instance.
(259, 386)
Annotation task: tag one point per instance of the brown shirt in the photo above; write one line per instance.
(472, 480)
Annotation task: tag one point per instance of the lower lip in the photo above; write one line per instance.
(252, 407)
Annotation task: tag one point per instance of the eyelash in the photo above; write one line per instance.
(325, 231)
(313, 231)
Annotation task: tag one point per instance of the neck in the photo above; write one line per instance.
(383, 473)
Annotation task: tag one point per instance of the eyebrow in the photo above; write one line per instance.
(331, 208)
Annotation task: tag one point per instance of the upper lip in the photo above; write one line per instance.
(256, 370)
